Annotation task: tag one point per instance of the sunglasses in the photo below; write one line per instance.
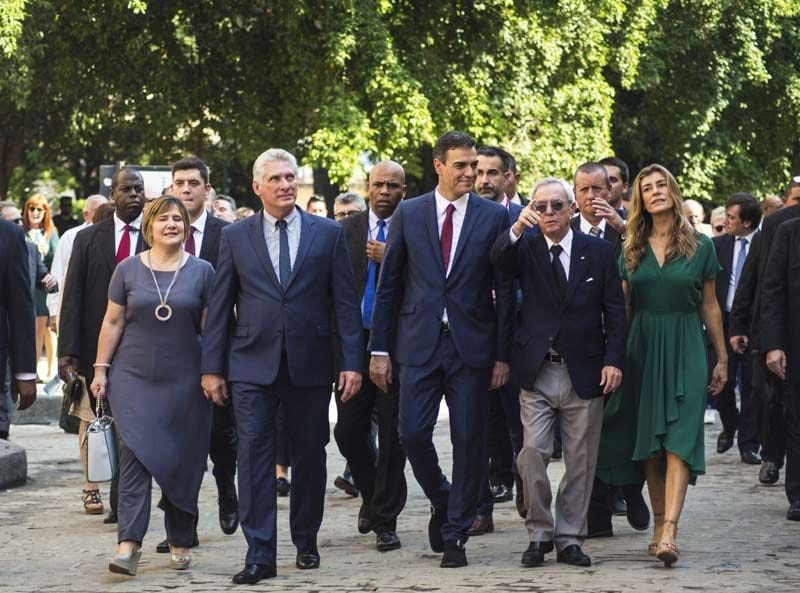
(555, 205)
(35, 209)
(345, 214)
(719, 228)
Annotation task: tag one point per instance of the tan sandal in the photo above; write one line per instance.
(92, 503)
(657, 522)
(668, 552)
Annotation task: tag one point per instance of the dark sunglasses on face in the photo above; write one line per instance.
(555, 205)
(35, 209)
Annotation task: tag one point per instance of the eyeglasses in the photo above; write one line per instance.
(719, 228)
(345, 214)
(555, 206)
(35, 209)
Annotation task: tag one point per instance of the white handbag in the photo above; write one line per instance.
(101, 445)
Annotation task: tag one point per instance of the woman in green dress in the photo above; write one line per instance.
(654, 422)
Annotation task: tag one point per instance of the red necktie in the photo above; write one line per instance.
(446, 240)
(189, 245)
(124, 249)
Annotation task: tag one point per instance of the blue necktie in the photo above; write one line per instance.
(284, 263)
(740, 261)
(372, 279)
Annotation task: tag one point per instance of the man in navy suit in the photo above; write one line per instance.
(17, 319)
(742, 216)
(504, 439)
(450, 337)
(569, 350)
(280, 277)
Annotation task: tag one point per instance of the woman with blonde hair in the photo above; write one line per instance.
(37, 220)
(148, 365)
(654, 422)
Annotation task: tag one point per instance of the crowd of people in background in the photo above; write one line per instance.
(599, 321)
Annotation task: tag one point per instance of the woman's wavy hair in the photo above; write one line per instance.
(683, 238)
(47, 221)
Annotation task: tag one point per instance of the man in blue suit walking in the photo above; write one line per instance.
(281, 274)
(451, 338)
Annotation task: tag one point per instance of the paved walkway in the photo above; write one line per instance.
(733, 538)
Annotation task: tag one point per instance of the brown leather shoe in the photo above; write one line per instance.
(481, 526)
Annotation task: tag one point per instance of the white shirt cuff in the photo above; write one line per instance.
(512, 236)
(25, 376)
(379, 353)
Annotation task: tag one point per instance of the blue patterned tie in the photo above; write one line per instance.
(372, 279)
(284, 262)
(740, 261)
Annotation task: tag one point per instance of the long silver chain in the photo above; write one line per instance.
(163, 299)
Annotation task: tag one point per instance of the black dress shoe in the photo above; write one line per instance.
(502, 493)
(228, 509)
(253, 573)
(481, 525)
(769, 472)
(283, 486)
(750, 457)
(307, 560)
(534, 555)
(637, 512)
(386, 541)
(574, 555)
(435, 530)
(163, 546)
(111, 518)
(364, 525)
(793, 514)
(724, 442)
(454, 555)
(346, 484)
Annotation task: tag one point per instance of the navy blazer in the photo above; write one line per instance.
(590, 324)
(724, 246)
(209, 250)
(413, 273)
(17, 313)
(248, 348)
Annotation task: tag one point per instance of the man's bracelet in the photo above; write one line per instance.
(101, 364)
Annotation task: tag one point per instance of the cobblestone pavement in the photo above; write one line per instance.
(733, 537)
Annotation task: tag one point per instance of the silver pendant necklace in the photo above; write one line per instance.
(163, 311)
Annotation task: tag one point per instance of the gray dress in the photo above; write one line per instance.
(154, 381)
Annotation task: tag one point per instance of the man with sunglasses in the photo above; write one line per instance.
(568, 353)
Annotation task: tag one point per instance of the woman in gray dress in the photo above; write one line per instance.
(150, 346)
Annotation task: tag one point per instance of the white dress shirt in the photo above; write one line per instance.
(372, 231)
(59, 266)
(458, 221)
(566, 248)
(119, 229)
(272, 235)
(586, 226)
(734, 281)
(198, 231)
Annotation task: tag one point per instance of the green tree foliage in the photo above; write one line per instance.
(709, 87)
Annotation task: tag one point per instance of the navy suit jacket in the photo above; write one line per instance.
(209, 250)
(299, 321)
(413, 273)
(17, 313)
(724, 246)
(590, 324)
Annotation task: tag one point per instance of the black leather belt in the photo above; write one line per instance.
(556, 358)
(446, 327)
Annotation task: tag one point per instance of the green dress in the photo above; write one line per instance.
(662, 399)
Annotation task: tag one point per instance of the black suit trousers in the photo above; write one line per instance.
(222, 446)
(380, 478)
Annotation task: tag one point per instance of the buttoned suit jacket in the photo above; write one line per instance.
(589, 324)
(270, 320)
(413, 275)
(85, 293)
(17, 313)
(780, 298)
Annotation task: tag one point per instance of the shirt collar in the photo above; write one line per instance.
(373, 220)
(119, 224)
(586, 225)
(441, 202)
(566, 242)
(749, 236)
(505, 202)
(200, 224)
(290, 218)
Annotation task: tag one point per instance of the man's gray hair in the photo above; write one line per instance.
(270, 155)
(6, 204)
(565, 187)
(349, 197)
(94, 199)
